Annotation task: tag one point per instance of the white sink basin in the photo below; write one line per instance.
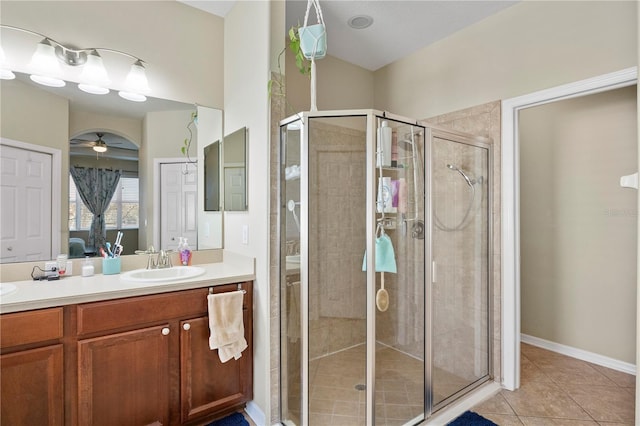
(6, 288)
(295, 258)
(159, 275)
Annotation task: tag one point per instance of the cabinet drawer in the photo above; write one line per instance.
(23, 328)
(123, 313)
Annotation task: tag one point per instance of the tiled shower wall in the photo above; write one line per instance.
(460, 239)
(337, 285)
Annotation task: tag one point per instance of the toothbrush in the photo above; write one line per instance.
(109, 249)
(118, 239)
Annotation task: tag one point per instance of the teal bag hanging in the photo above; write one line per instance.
(385, 255)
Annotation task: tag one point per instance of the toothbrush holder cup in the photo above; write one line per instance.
(111, 265)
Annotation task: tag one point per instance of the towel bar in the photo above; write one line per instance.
(239, 288)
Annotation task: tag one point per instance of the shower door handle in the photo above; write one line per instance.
(434, 269)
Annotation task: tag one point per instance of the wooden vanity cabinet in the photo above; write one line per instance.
(208, 386)
(31, 368)
(146, 359)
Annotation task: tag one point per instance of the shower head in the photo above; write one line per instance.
(470, 181)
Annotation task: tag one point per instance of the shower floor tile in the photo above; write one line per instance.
(335, 398)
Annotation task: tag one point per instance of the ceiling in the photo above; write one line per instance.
(400, 27)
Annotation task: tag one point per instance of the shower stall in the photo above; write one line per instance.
(385, 243)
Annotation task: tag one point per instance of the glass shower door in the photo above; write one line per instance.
(400, 316)
(460, 290)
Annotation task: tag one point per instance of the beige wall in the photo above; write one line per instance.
(340, 85)
(246, 104)
(527, 47)
(37, 117)
(163, 136)
(84, 121)
(578, 226)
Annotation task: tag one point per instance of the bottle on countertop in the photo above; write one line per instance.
(185, 253)
(87, 267)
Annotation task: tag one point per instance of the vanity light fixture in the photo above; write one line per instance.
(45, 68)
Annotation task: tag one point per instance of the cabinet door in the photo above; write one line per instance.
(123, 379)
(32, 387)
(208, 385)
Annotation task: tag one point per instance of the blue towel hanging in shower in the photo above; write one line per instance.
(385, 256)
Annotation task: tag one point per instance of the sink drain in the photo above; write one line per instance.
(361, 387)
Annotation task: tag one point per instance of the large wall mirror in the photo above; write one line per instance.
(142, 139)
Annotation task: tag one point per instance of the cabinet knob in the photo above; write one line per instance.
(166, 331)
(186, 326)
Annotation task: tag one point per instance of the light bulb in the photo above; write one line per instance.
(5, 72)
(45, 65)
(94, 76)
(136, 84)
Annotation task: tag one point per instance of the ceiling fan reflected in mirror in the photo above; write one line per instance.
(97, 145)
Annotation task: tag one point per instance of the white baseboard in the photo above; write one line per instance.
(256, 414)
(583, 355)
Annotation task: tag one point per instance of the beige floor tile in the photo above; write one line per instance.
(619, 378)
(572, 371)
(503, 419)
(560, 390)
(614, 424)
(547, 421)
(529, 372)
(535, 353)
(539, 399)
(495, 405)
(605, 403)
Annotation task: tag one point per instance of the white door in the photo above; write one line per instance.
(234, 189)
(178, 205)
(25, 205)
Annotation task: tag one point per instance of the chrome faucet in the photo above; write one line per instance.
(164, 260)
(157, 259)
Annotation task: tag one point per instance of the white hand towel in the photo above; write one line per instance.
(226, 325)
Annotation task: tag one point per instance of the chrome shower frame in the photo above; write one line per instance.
(429, 132)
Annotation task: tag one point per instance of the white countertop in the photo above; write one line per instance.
(30, 295)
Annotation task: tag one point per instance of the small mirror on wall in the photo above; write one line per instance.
(235, 170)
(212, 177)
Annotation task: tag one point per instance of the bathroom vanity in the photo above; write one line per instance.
(123, 358)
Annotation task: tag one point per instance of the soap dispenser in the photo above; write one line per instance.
(185, 253)
(87, 267)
